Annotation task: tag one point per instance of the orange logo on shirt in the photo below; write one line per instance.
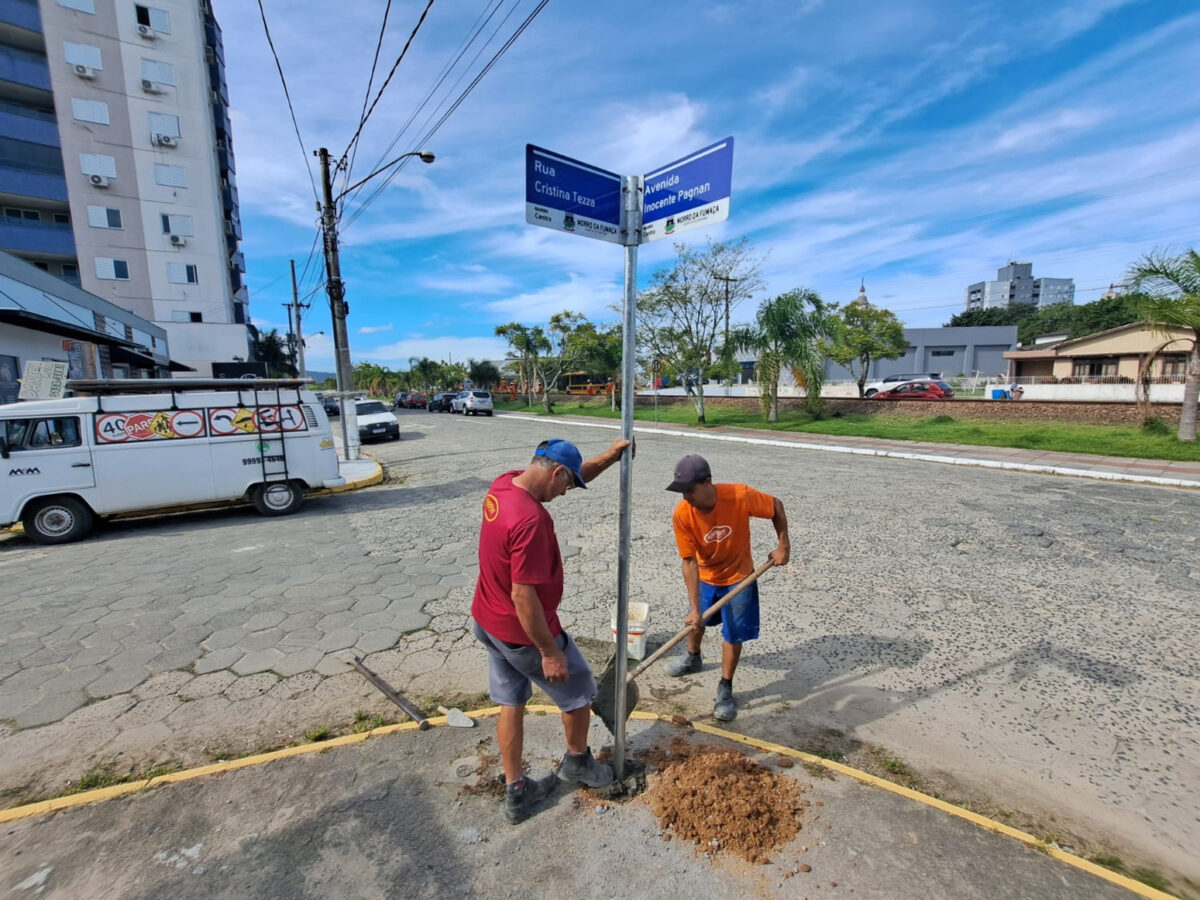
(491, 508)
(718, 534)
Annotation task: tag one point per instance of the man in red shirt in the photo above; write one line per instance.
(516, 617)
(712, 532)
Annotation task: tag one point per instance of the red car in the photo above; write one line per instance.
(918, 390)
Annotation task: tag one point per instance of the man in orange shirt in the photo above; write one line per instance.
(712, 531)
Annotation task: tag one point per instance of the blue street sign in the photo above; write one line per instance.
(688, 193)
(568, 195)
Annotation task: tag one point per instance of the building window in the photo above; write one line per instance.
(1174, 366)
(170, 176)
(89, 111)
(173, 224)
(98, 164)
(158, 72)
(17, 214)
(70, 270)
(941, 352)
(62, 218)
(104, 217)
(181, 273)
(155, 18)
(82, 55)
(161, 123)
(182, 315)
(112, 269)
(45, 267)
(87, 6)
(1094, 368)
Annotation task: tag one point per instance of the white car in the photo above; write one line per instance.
(375, 421)
(891, 381)
(472, 403)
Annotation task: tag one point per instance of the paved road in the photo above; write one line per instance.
(1028, 637)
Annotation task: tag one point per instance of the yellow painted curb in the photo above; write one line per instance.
(352, 485)
(97, 796)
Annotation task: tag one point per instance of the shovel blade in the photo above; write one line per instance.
(456, 717)
(605, 703)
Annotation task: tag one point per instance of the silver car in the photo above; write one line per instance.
(472, 403)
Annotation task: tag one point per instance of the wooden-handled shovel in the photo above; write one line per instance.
(606, 685)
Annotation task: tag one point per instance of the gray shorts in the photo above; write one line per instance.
(511, 669)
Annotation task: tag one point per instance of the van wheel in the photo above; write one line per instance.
(279, 498)
(57, 520)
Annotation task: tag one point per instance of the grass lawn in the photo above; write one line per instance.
(1151, 442)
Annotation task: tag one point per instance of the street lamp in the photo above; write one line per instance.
(336, 290)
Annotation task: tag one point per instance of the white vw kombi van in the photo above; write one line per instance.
(127, 445)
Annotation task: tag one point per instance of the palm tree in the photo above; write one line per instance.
(271, 348)
(787, 333)
(1170, 286)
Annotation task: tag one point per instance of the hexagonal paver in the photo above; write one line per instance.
(261, 640)
(257, 661)
(251, 686)
(224, 639)
(206, 685)
(118, 681)
(331, 665)
(381, 639)
(299, 661)
(50, 709)
(338, 640)
(263, 620)
(221, 659)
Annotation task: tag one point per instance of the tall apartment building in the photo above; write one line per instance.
(1015, 284)
(116, 162)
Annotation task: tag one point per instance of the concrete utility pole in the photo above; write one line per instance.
(299, 334)
(337, 310)
(337, 293)
(727, 279)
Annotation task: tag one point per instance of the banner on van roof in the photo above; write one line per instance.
(187, 424)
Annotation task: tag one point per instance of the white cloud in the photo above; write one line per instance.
(373, 329)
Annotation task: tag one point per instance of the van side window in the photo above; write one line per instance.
(45, 433)
(15, 431)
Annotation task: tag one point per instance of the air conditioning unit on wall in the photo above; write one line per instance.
(178, 240)
(99, 181)
(152, 87)
(85, 71)
(166, 140)
(147, 32)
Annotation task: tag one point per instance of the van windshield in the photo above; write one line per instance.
(367, 409)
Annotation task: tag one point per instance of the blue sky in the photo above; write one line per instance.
(918, 144)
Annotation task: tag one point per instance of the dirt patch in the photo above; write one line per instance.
(723, 801)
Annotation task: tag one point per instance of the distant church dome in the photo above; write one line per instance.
(862, 294)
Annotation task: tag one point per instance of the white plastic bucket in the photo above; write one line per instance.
(638, 623)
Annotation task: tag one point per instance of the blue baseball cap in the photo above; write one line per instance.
(565, 454)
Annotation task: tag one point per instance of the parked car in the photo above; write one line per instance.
(472, 403)
(400, 398)
(441, 402)
(917, 390)
(886, 384)
(415, 401)
(375, 421)
(331, 406)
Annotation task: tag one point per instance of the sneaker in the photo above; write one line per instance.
(685, 665)
(584, 770)
(724, 710)
(522, 797)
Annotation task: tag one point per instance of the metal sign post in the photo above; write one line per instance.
(568, 195)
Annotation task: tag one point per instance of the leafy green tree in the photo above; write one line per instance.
(789, 331)
(1073, 320)
(527, 344)
(424, 373)
(483, 373)
(864, 334)
(682, 315)
(271, 348)
(1170, 288)
(600, 352)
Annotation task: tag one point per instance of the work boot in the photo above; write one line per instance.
(724, 710)
(685, 665)
(584, 769)
(521, 797)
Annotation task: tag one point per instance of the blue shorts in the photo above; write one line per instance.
(739, 618)
(514, 668)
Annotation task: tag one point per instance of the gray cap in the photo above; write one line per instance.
(692, 469)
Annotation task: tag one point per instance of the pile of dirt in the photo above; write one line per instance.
(723, 801)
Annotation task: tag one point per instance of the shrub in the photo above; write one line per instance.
(1154, 425)
(942, 420)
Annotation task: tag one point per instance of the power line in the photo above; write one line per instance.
(454, 106)
(362, 117)
(387, 80)
(262, 12)
(476, 30)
